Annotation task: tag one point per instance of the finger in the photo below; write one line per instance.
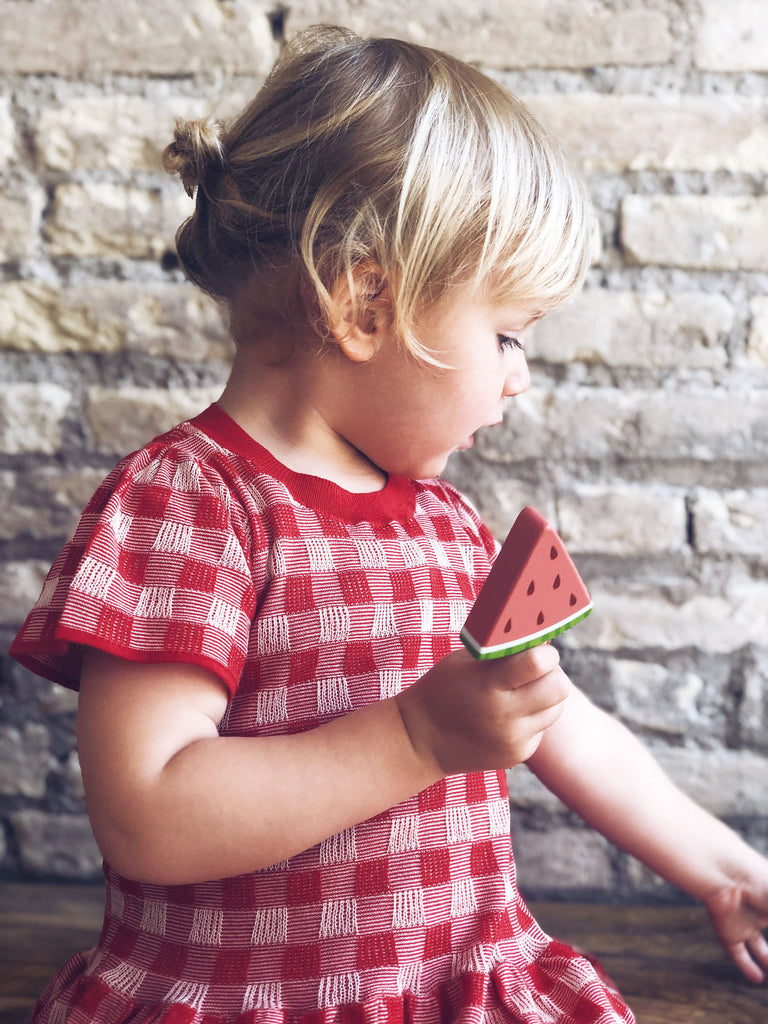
(543, 658)
(540, 705)
(743, 960)
(758, 947)
(542, 720)
(527, 666)
(741, 957)
(539, 695)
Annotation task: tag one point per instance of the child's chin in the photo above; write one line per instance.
(427, 470)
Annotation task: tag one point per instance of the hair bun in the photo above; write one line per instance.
(196, 150)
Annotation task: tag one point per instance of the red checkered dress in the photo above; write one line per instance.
(308, 602)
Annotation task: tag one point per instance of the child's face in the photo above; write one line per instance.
(408, 416)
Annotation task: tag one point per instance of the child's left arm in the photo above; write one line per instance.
(601, 771)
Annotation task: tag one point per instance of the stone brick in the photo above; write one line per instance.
(732, 36)
(56, 845)
(650, 696)
(48, 699)
(649, 619)
(645, 881)
(757, 345)
(107, 220)
(120, 133)
(753, 707)
(7, 132)
(731, 522)
(25, 760)
(499, 496)
(111, 316)
(532, 33)
(20, 586)
(623, 521)
(21, 208)
(31, 418)
(46, 503)
(652, 330)
(603, 132)
(700, 232)
(562, 859)
(73, 779)
(572, 423)
(96, 37)
(528, 793)
(11, 517)
(728, 783)
(126, 418)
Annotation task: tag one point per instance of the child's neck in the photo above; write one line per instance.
(282, 408)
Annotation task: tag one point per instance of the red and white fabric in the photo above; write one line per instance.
(308, 602)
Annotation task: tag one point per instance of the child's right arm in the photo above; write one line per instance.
(173, 802)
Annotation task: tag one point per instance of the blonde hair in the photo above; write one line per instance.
(381, 153)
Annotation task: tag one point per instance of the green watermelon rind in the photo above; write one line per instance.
(524, 643)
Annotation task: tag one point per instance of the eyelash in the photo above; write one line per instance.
(508, 341)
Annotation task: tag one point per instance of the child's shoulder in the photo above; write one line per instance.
(182, 469)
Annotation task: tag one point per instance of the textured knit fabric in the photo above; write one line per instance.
(308, 602)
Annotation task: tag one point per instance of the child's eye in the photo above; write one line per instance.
(509, 341)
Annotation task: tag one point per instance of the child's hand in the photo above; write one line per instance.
(467, 715)
(739, 914)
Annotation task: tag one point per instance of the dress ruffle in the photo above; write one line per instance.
(558, 988)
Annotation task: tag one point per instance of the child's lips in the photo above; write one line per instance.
(466, 445)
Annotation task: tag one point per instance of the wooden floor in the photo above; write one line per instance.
(664, 959)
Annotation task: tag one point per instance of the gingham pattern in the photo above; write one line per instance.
(308, 602)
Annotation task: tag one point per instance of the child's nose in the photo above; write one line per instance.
(517, 380)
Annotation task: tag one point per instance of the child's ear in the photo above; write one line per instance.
(361, 311)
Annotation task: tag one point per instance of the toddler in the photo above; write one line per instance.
(294, 771)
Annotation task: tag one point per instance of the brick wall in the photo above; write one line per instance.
(644, 437)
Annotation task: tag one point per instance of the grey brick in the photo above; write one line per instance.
(530, 33)
(622, 520)
(25, 760)
(20, 586)
(58, 845)
(106, 220)
(21, 208)
(644, 618)
(96, 37)
(7, 132)
(568, 423)
(757, 345)
(733, 36)
(731, 522)
(702, 232)
(663, 132)
(562, 858)
(649, 329)
(126, 418)
(31, 418)
(111, 316)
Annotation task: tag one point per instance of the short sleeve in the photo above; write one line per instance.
(159, 570)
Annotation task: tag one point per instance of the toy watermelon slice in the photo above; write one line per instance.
(533, 592)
